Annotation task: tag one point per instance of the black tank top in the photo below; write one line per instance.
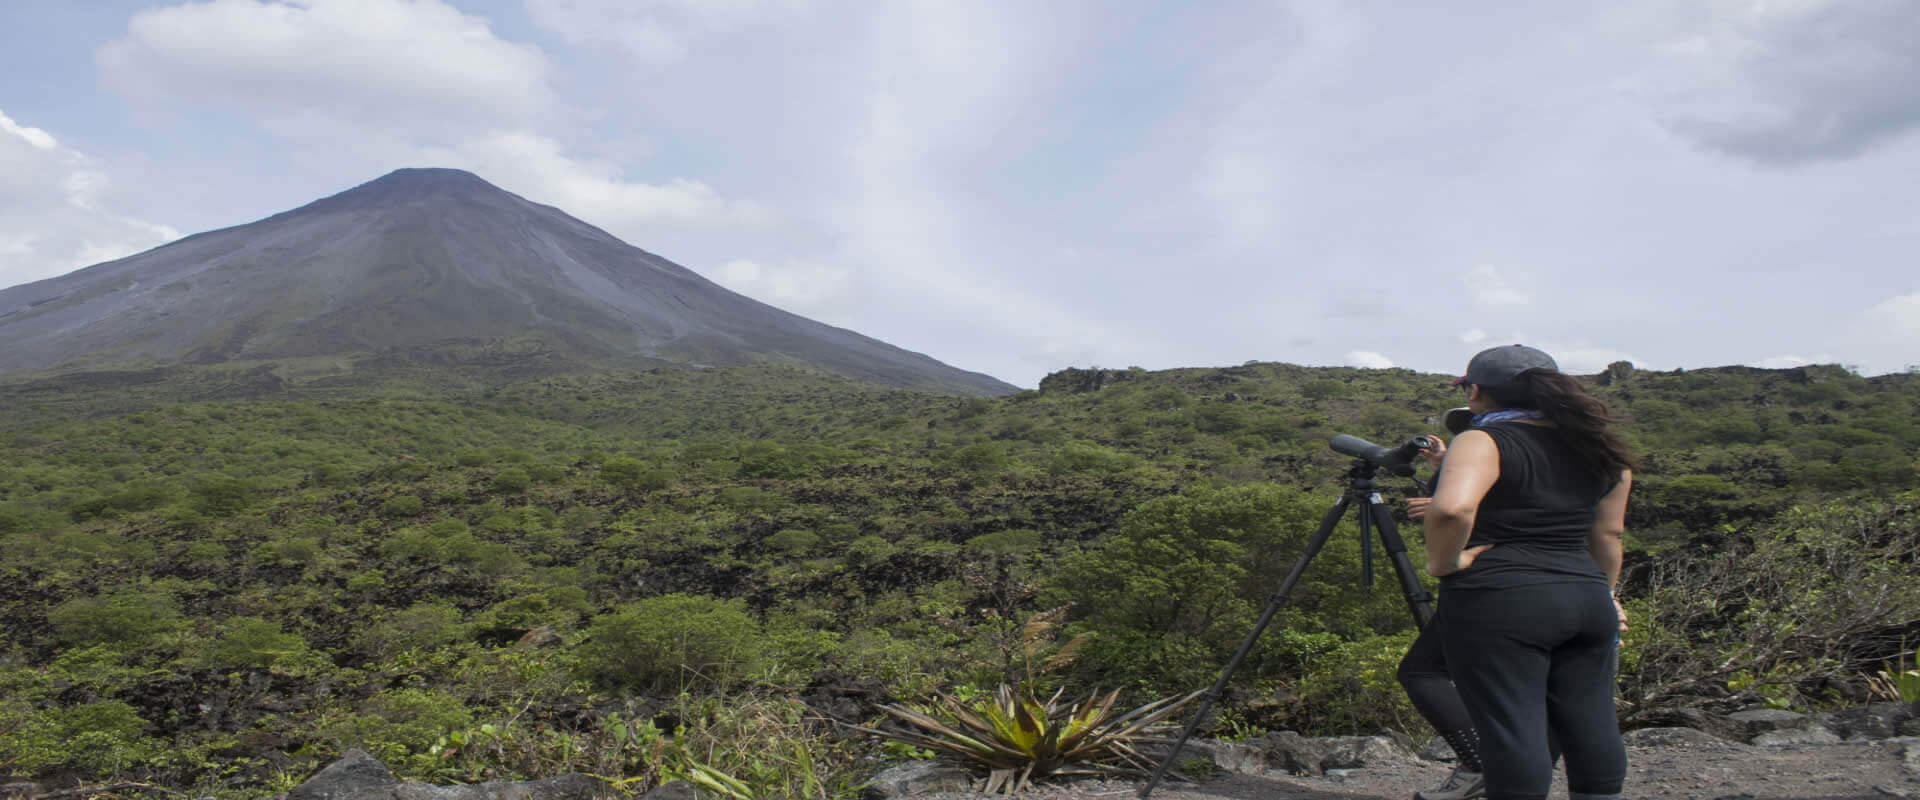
(1538, 514)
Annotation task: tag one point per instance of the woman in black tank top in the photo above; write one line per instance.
(1524, 533)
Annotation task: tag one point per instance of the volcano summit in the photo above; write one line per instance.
(418, 260)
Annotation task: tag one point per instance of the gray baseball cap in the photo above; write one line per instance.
(1498, 366)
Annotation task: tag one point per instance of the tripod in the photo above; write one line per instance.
(1363, 495)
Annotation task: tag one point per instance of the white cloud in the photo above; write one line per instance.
(1788, 361)
(1473, 336)
(818, 291)
(1791, 82)
(535, 166)
(56, 209)
(362, 87)
(416, 65)
(657, 30)
(1491, 289)
(1368, 359)
(1588, 360)
(945, 76)
(1897, 316)
(1884, 337)
(39, 139)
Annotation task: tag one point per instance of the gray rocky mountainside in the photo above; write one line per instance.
(416, 260)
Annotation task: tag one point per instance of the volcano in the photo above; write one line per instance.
(419, 260)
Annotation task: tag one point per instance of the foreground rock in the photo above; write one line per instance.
(359, 776)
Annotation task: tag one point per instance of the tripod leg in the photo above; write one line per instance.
(1279, 596)
(1418, 600)
(1366, 541)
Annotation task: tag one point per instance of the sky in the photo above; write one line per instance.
(1020, 186)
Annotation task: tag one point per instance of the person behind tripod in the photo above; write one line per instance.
(1423, 670)
(1524, 533)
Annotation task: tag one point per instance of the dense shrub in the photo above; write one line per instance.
(1783, 617)
(124, 621)
(400, 722)
(512, 480)
(405, 505)
(101, 737)
(674, 642)
(245, 642)
(1179, 583)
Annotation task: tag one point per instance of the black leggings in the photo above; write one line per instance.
(1534, 662)
(1423, 672)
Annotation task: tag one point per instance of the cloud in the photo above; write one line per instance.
(1490, 289)
(818, 291)
(1588, 360)
(657, 30)
(415, 65)
(1783, 83)
(1884, 337)
(535, 166)
(56, 209)
(34, 137)
(1368, 359)
(1788, 361)
(1473, 336)
(943, 78)
(367, 86)
(1897, 316)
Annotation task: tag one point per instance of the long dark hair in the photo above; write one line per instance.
(1580, 416)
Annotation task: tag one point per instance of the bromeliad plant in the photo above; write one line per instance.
(1018, 738)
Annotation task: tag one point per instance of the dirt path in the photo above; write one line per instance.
(1698, 768)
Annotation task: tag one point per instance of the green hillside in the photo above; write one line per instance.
(217, 579)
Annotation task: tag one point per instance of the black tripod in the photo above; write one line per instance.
(1374, 515)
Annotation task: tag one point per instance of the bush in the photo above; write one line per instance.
(1820, 594)
(253, 642)
(96, 738)
(868, 550)
(623, 472)
(223, 495)
(1354, 688)
(1013, 541)
(1176, 587)
(423, 625)
(978, 457)
(512, 480)
(124, 622)
(1079, 457)
(673, 643)
(397, 723)
(793, 541)
(405, 505)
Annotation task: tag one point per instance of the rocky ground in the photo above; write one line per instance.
(1686, 766)
(1762, 754)
(1857, 754)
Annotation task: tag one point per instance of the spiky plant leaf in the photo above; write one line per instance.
(1018, 738)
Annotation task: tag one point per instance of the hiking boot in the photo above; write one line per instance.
(1461, 785)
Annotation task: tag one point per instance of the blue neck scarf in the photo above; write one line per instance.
(1506, 414)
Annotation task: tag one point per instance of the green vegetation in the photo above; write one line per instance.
(1017, 737)
(218, 584)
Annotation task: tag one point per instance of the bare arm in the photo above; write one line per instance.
(1604, 543)
(1609, 524)
(1472, 465)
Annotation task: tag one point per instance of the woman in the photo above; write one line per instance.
(1524, 533)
